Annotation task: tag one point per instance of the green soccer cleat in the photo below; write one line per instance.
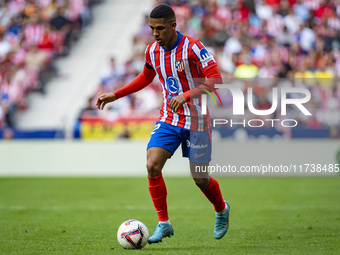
(162, 230)
(222, 223)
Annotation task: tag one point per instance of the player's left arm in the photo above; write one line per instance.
(209, 68)
(213, 76)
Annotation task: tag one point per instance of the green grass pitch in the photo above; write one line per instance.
(82, 215)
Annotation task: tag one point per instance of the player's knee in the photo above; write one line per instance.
(202, 183)
(153, 168)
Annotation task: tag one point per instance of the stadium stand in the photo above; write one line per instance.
(294, 43)
(33, 34)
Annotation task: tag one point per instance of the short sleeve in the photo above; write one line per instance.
(201, 56)
(147, 58)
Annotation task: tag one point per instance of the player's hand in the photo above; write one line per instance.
(177, 102)
(103, 99)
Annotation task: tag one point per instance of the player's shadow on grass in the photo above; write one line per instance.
(196, 248)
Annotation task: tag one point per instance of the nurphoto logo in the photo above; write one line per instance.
(280, 97)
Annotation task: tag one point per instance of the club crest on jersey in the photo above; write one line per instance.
(179, 65)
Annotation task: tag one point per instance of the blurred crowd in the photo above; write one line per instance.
(257, 43)
(33, 33)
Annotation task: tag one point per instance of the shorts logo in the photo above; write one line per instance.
(201, 146)
(172, 85)
(179, 65)
(200, 155)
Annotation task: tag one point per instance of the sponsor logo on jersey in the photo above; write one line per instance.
(172, 85)
(205, 56)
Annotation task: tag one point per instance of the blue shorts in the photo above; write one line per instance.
(196, 145)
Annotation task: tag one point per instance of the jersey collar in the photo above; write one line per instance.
(179, 38)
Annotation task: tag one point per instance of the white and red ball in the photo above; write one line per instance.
(132, 234)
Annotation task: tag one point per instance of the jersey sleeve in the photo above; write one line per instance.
(202, 57)
(213, 76)
(207, 65)
(138, 83)
(148, 62)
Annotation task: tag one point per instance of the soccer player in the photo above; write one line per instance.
(180, 62)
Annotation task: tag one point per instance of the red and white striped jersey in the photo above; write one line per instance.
(34, 34)
(179, 70)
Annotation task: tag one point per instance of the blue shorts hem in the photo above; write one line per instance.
(160, 146)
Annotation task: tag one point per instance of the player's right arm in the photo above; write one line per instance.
(138, 83)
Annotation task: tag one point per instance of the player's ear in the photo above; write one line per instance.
(173, 25)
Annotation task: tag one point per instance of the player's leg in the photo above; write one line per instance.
(156, 158)
(163, 143)
(199, 153)
(208, 185)
(211, 189)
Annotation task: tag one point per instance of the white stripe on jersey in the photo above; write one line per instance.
(162, 67)
(199, 114)
(197, 50)
(152, 56)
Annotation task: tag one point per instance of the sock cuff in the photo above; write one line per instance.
(210, 185)
(155, 177)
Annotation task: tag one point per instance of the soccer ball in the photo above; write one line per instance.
(132, 234)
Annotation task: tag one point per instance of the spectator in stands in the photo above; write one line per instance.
(110, 75)
(301, 10)
(60, 23)
(34, 31)
(324, 75)
(5, 47)
(246, 70)
(31, 8)
(36, 62)
(292, 22)
(232, 47)
(307, 38)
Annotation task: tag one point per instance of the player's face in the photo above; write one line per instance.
(163, 31)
